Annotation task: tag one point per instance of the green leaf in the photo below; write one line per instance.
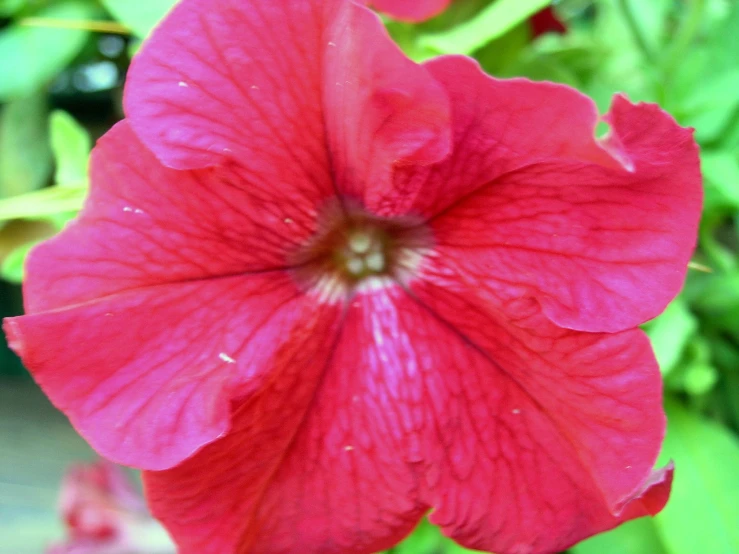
(624, 63)
(699, 378)
(428, 539)
(501, 56)
(425, 539)
(30, 56)
(721, 172)
(9, 7)
(711, 104)
(719, 255)
(406, 36)
(728, 393)
(141, 16)
(43, 203)
(576, 50)
(719, 294)
(695, 374)
(670, 333)
(489, 24)
(71, 146)
(635, 537)
(25, 157)
(723, 40)
(651, 19)
(703, 511)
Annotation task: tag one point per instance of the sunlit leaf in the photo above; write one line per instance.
(670, 332)
(407, 36)
(623, 66)
(30, 56)
(721, 172)
(428, 539)
(44, 202)
(141, 16)
(635, 537)
(724, 40)
(425, 539)
(71, 145)
(699, 378)
(703, 511)
(489, 24)
(712, 104)
(651, 19)
(25, 157)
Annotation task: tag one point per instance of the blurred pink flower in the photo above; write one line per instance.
(105, 514)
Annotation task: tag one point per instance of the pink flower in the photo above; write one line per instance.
(104, 514)
(319, 290)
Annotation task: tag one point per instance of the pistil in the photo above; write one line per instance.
(355, 250)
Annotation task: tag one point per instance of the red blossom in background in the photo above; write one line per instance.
(546, 21)
(103, 513)
(318, 290)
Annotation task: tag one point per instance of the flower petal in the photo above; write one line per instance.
(146, 225)
(235, 78)
(326, 473)
(547, 435)
(147, 376)
(530, 204)
(520, 439)
(412, 11)
(382, 109)
(499, 126)
(274, 100)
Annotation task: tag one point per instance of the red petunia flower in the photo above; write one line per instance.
(319, 290)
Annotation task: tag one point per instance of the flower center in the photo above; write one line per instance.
(353, 250)
(363, 254)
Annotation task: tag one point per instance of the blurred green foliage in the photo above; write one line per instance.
(57, 204)
(33, 55)
(680, 53)
(140, 17)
